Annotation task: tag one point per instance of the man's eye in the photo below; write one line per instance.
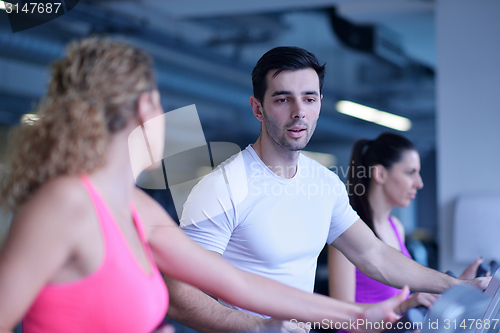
(310, 100)
(281, 100)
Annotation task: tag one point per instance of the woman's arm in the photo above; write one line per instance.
(341, 276)
(39, 242)
(182, 259)
(207, 315)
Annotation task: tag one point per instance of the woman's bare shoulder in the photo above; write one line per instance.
(150, 211)
(62, 200)
(52, 220)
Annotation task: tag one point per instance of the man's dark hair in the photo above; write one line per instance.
(283, 58)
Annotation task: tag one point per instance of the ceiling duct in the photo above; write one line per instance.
(187, 70)
(25, 47)
(372, 39)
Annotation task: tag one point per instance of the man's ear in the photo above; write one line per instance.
(256, 108)
(379, 174)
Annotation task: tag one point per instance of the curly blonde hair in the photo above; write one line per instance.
(92, 93)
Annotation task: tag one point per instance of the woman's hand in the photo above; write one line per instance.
(283, 326)
(470, 272)
(427, 299)
(415, 300)
(165, 328)
(383, 312)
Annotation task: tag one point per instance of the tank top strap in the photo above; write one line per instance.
(97, 201)
(402, 246)
(142, 233)
(138, 223)
(90, 188)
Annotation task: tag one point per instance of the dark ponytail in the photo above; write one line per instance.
(386, 150)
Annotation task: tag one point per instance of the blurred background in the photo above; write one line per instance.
(434, 62)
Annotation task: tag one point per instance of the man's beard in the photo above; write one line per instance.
(278, 135)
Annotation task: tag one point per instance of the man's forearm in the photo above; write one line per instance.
(193, 308)
(391, 267)
(387, 265)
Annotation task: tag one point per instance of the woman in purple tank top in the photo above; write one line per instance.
(385, 173)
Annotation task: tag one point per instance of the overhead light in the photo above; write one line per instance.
(29, 118)
(373, 115)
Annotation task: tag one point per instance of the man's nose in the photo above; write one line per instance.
(298, 110)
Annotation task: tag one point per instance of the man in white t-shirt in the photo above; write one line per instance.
(266, 224)
(270, 210)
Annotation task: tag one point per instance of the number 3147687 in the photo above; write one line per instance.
(471, 324)
(34, 7)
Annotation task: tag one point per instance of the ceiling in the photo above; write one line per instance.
(205, 52)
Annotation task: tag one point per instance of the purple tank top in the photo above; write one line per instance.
(371, 291)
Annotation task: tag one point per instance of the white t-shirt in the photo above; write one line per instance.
(266, 224)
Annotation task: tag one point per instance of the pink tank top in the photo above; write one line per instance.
(371, 291)
(118, 297)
